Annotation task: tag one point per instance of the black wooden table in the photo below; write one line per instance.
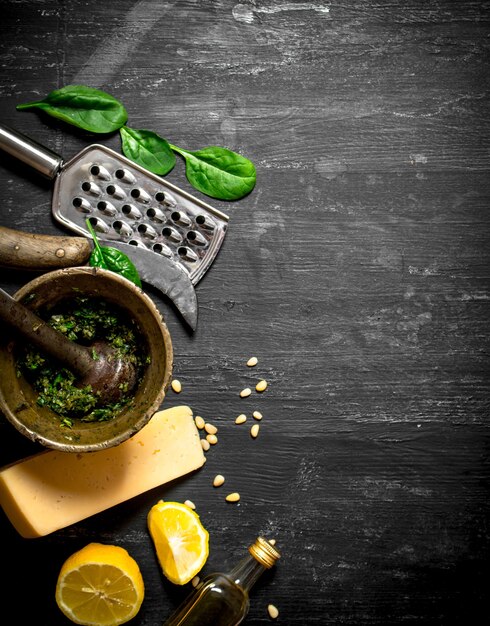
(357, 272)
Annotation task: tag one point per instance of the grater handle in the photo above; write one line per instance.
(45, 161)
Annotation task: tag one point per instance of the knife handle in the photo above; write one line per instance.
(29, 251)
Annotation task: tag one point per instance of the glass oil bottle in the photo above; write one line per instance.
(222, 599)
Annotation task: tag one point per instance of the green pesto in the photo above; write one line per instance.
(82, 320)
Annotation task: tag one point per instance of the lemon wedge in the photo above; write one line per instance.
(181, 541)
(100, 585)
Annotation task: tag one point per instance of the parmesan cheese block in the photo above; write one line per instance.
(52, 490)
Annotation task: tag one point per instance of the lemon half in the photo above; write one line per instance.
(100, 585)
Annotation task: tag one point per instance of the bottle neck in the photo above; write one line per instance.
(247, 572)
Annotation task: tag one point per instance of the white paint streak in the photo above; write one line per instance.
(116, 48)
(329, 168)
(417, 158)
(245, 12)
(409, 292)
(468, 297)
(389, 258)
(263, 221)
(423, 271)
(414, 324)
(383, 488)
(442, 108)
(291, 6)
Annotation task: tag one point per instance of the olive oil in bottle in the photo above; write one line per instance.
(221, 599)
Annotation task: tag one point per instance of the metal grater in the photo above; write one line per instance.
(124, 202)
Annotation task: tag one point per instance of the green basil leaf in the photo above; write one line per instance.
(219, 172)
(115, 261)
(112, 259)
(84, 107)
(147, 149)
(96, 258)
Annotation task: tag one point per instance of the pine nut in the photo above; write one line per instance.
(241, 419)
(272, 542)
(218, 480)
(199, 421)
(212, 439)
(272, 610)
(261, 386)
(210, 429)
(233, 497)
(195, 581)
(190, 504)
(176, 385)
(257, 415)
(205, 444)
(244, 393)
(252, 361)
(254, 431)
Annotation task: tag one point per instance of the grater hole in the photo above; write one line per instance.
(171, 234)
(125, 176)
(180, 218)
(98, 225)
(196, 238)
(186, 254)
(115, 191)
(137, 244)
(147, 231)
(82, 205)
(90, 188)
(131, 211)
(99, 172)
(122, 228)
(161, 249)
(156, 215)
(204, 222)
(165, 198)
(107, 208)
(140, 194)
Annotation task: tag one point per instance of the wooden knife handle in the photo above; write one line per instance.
(29, 251)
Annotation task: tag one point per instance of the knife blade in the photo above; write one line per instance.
(32, 251)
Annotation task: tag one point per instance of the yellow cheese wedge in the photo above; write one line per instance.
(52, 490)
